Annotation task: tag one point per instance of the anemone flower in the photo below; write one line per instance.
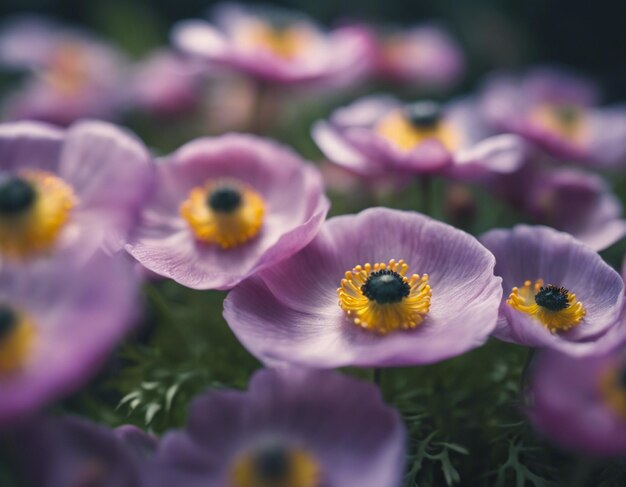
(58, 186)
(276, 46)
(291, 428)
(59, 318)
(580, 403)
(71, 74)
(226, 207)
(559, 112)
(559, 293)
(379, 136)
(380, 288)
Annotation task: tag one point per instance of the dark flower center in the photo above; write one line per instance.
(225, 199)
(8, 321)
(423, 114)
(567, 114)
(385, 286)
(552, 298)
(272, 464)
(16, 196)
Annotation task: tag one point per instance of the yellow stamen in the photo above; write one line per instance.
(37, 229)
(226, 229)
(14, 348)
(523, 299)
(287, 43)
(383, 318)
(301, 470)
(399, 130)
(562, 120)
(613, 389)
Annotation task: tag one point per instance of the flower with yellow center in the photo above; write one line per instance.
(16, 337)
(275, 466)
(68, 70)
(416, 123)
(287, 42)
(613, 389)
(567, 121)
(554, 307)
(34, 207)
(382, 299)
(223, 212)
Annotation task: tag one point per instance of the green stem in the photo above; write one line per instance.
(524, 377)
(426, 189)
(378, 377)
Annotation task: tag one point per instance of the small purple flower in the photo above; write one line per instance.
(580, 403)
(379, 136)
(71, 451)
(558, 111)
(72, 75)
(276, 46)
(59, 318)
(291, 428)
(425, 56)
(58, 186)
(227, 207)
(353, 295)
(558, 293)
(167, 84)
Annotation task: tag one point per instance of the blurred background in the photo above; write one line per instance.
(587, 36)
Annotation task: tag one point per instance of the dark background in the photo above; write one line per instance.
(587, 35)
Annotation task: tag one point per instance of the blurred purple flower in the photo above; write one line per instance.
(558, 111)
(580, 403)
(276, 46)
(166, 84)
(72, 451)
(58, 186)
(227, 207)
(382, 314)
(291, 428)
(72, 75)
(378, 136)
(558, 293)
(58, 321)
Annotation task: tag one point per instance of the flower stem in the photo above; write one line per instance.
(525, 373)
(426, 189)
(378, 377)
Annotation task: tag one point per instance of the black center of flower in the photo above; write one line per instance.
(16, 196)
(552, 298)
(423, 114)
(225, 199)
(8, 321)
(272, 464)
(385, 287)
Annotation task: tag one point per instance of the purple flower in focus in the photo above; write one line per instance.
(580, 403)
(58, 186)
(71, 451)
(558, 293)
(559, 112)
(380, 288)
(167, 84)
(276, 46)
(425, 56)
(71, 74)
(379, 136)
(59, 318)
(227, 207)
(291, 428)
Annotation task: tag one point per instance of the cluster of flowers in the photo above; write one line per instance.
(86, 212)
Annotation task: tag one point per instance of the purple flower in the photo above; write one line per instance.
(71, 451)
(59, 318)
(558, 111)
(423, 55)
(227, 207)
(379, 136)
(166, 84)
(292, 427)
(580, 403)
(353, 296)
(72, 75)
(58, 186)
(558, 293)
(276, 46)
